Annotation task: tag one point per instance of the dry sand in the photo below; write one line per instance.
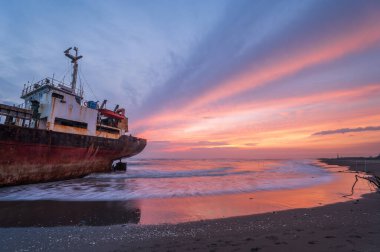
(349, 226)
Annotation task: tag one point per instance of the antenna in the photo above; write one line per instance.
(74, 60)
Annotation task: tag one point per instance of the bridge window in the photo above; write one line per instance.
(59, 96)
(71, 123)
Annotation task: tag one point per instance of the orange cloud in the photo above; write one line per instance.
(278, 122)
(220, 118)
(339, 45)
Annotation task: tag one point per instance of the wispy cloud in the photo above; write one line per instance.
(173, 144)
(211, 77)
(340, 45)
(235, 115)
(347, 130)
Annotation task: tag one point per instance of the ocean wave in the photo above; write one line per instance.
(169, 179)
(110, 193)
(136, 173)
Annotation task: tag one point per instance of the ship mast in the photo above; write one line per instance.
(74, 60)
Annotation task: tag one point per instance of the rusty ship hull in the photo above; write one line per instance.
(30, 155)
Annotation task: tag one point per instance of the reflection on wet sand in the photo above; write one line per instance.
(173, 191)
(44, 213)
(175, 210)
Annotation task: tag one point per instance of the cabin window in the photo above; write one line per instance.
(71, 123)
(59, 96)
(108, 130)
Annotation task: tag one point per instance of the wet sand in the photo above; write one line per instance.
(349, 226)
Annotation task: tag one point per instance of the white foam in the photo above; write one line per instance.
(177, 178)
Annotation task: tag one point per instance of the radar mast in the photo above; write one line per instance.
(74, 60)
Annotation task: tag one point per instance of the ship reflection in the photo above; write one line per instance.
(67, 213)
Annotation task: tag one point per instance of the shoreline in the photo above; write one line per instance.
(369, 166)
(347, 226)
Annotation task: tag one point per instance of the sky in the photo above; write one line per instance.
(212, 79)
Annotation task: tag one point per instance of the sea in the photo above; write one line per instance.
(158, 191)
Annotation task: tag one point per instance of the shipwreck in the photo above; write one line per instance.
(57, 134)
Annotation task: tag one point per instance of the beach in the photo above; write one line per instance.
(349, 226)
(220, 125)
(352, 225)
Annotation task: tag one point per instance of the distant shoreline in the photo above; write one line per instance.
(358, 164)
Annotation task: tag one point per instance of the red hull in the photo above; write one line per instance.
(32, 155)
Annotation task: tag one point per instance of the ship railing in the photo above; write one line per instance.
(23, 106)
(15, 115)
(48, 81)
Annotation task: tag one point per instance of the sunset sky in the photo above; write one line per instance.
(212, 79)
